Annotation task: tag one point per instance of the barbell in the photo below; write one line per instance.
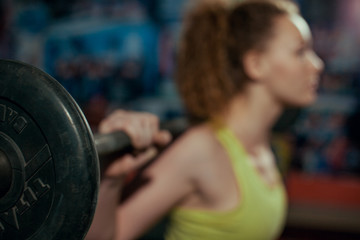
(49, 158)
(49, 166)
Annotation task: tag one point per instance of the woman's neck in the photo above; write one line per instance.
(251, 116)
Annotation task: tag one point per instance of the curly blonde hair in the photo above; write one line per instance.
(216, 35)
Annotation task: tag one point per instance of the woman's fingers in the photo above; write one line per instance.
(162, 138)
(142, 128)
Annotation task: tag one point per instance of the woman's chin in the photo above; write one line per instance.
(303, 102)
(309, 101)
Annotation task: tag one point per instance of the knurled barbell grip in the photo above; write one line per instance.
(113, 142)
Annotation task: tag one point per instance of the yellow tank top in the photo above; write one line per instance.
(260, 214)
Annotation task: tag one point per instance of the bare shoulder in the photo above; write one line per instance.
(198, 142)
(194, 150)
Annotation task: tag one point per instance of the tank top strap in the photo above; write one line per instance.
(238, 157)
(231, 144)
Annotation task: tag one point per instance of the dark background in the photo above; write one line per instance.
(120, 53)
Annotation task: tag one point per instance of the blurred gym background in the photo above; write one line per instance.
(120, 54)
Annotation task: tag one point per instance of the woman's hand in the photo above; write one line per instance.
(143, 130)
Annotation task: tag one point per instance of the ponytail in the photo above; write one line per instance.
(201, 75)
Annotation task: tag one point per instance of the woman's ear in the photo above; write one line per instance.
(253, 65)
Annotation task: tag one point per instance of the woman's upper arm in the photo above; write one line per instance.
(169, 181)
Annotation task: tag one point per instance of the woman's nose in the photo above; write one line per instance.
(316, 62)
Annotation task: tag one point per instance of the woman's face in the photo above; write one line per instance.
(291, 66)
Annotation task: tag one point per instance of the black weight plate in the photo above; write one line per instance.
(54, 164)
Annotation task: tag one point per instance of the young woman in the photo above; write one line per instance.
(240, 63)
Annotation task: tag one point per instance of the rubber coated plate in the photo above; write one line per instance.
(46, 142)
